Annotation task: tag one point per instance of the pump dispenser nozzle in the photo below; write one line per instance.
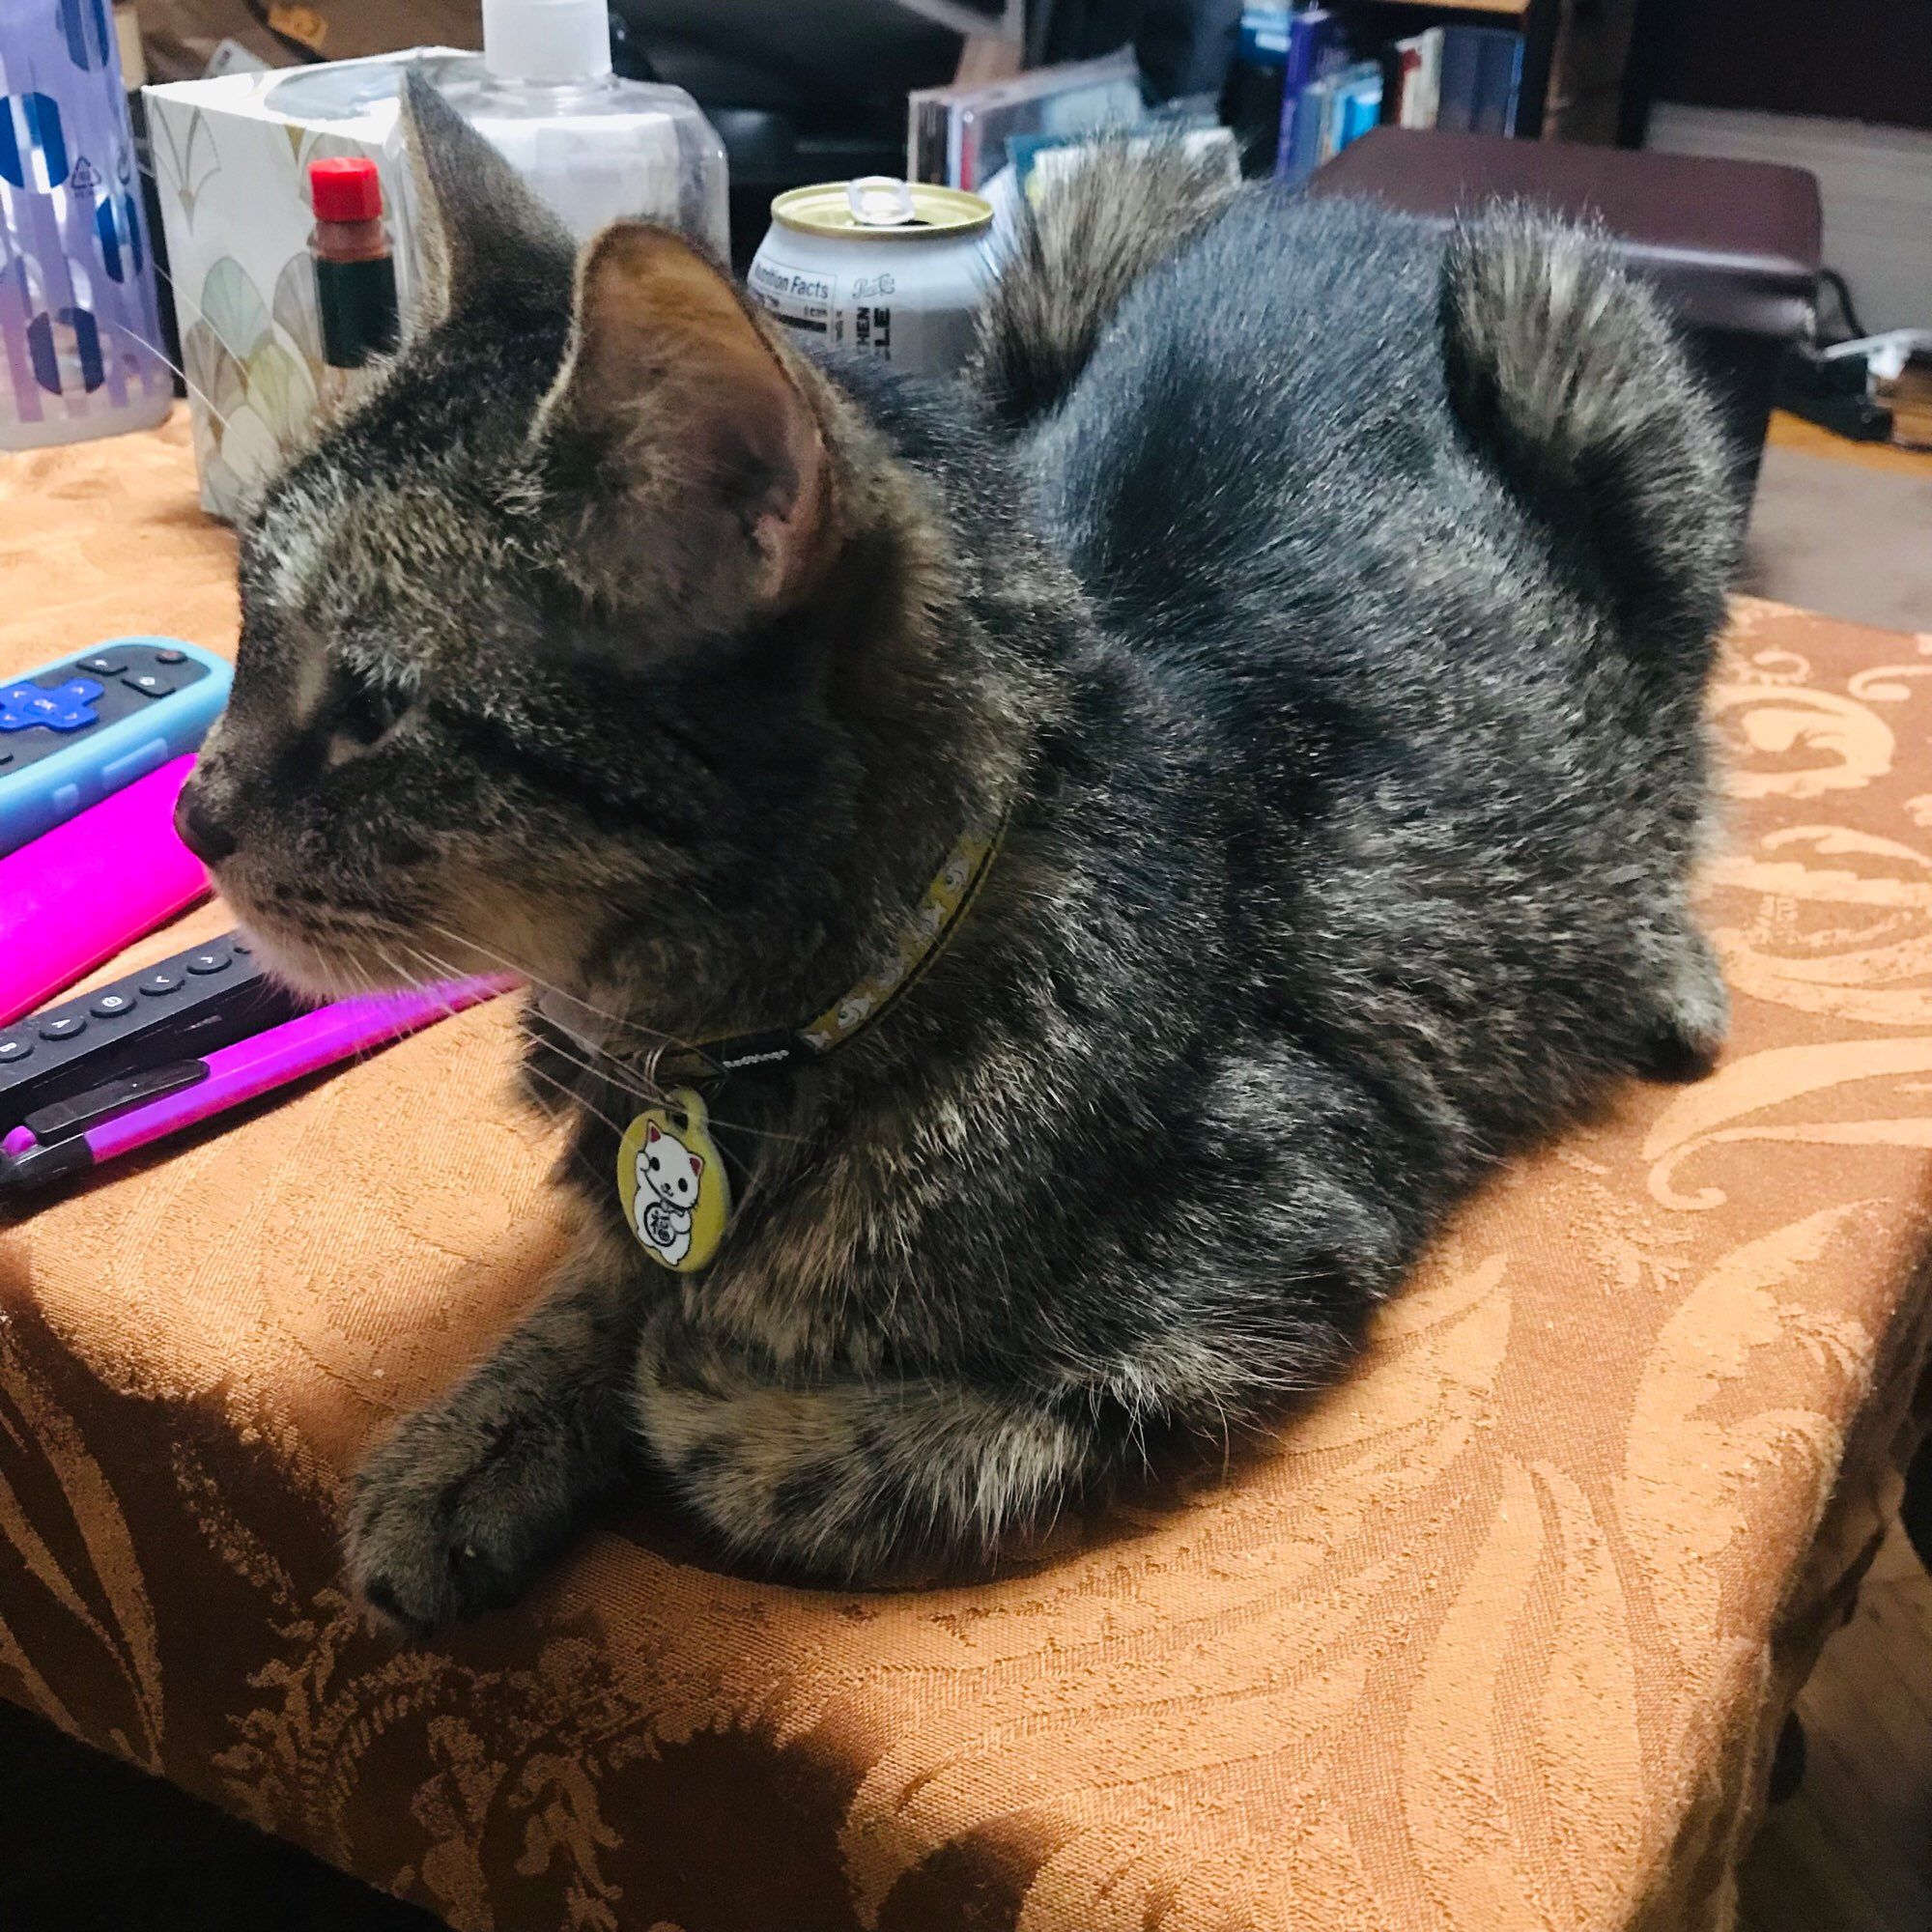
(547, 40)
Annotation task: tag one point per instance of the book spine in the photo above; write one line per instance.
(1333, 124)
(1310, 50)
(1287, 145)
(1429, 98)
(1515, 88)
(1301, 151)
(921, 123)
(1498, 61)
(1401, 70)
(1462, 78)
(1309, 35)
(1365, 108)
(1358, 102)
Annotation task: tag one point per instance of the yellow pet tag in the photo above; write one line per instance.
(677, 1195)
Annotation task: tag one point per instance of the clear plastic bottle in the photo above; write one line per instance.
(596, 146)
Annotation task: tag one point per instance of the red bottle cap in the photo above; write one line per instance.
(349, 189)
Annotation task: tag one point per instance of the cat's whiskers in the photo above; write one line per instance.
(439, 972)
(574, 1097)
(658, 1097)
(653, 1035)
(603, 1066)
(167, 361)
(426, 986)
(607, 1076)
(448, 970)
(611, 1074)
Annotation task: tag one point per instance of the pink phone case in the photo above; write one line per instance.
(78, 894)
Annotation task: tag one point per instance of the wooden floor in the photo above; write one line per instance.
(1790, 432)
(1841, 527)
(1852, 1852)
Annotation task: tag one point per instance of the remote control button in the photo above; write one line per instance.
(155, 984)
(117, 772)
(241, 946)
(64, 709)
(104, 665)
(6, 759)
(24, 710)
(14, 1048)
(214, 960)
(149, 683)
(171, 656)
(63, 1029)
(110, 1005)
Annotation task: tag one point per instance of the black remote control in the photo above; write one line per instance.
(210, 996)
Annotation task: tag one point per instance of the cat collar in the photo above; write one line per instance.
(921, 938)
(672, 1184)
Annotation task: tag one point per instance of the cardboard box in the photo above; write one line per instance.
(231, 162)
(187, 39)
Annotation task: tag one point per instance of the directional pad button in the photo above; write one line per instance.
(64, 708)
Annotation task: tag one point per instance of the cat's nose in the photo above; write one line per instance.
(201, 832)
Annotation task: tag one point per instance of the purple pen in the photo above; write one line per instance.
(78, 1134)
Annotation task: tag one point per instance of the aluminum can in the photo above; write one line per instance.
(889, 268)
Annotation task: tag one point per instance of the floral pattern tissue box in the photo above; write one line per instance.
(231, 160)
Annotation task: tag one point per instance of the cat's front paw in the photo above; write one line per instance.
(443, 1523)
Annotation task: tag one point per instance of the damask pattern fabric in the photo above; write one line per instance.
(1496, 1635)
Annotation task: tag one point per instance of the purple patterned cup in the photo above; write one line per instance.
(78, 322)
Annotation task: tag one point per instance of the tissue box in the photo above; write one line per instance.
(231, 162)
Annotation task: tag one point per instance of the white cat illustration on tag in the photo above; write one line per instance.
(677, 1195)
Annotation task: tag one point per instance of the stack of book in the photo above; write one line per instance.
(1466, 79)
(961, 136)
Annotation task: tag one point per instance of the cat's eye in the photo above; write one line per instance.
(361, 710)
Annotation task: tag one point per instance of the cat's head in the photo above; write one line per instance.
(669, 1169)
(580, 646)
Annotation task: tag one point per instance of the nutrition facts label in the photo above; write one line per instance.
(907, 314)
(795, 296)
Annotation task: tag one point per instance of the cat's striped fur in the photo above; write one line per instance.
(1334, 606)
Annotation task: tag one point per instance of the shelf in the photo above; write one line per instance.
(1514, 9)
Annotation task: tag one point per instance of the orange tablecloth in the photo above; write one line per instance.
(1498, 1636)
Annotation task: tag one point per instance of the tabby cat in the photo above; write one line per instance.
(1324, 606)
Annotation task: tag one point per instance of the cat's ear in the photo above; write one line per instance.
(696, 1165)
(703, 460)
(481, 231)
(650, 1134)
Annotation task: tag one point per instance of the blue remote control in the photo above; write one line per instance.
(77, 729)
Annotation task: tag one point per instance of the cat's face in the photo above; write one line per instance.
(530, 653)
(669, 1169)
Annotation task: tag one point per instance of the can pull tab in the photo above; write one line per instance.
(879, 201)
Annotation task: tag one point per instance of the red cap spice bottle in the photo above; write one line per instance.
(354, 268)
